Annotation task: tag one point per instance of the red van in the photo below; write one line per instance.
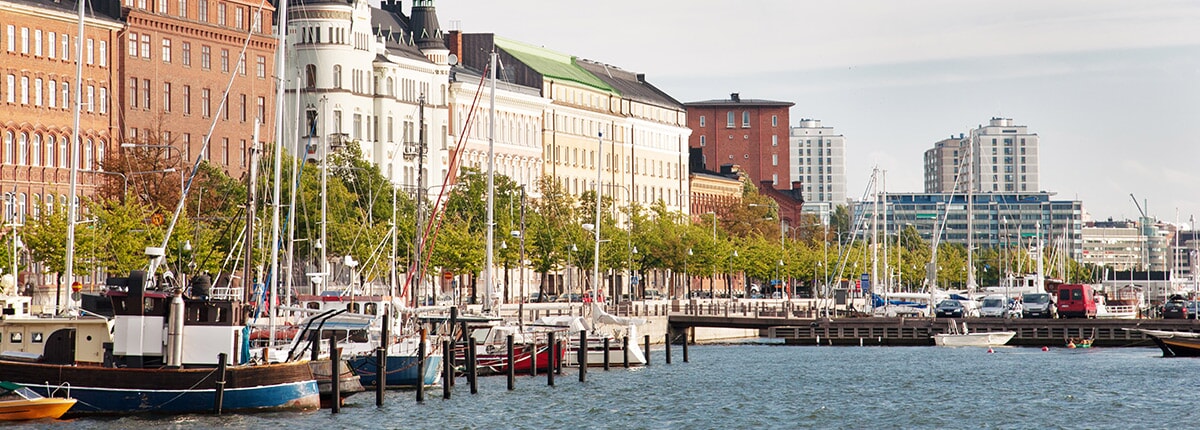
(1076, 301)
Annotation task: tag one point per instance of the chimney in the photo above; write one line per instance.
(796, 185)
(641, 77)
(392, 6)
(454, 43)
(737, 98)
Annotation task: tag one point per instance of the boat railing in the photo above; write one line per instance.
(65, 386)
(226, 293)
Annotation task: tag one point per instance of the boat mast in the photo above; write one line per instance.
(291, 217)
(251, 201)
(596, 255)
(971, 218)
(419, 240)
(324, 242)
(874, 233)
(491, 198)
(71, 202)
(273, 268)
(521, 301)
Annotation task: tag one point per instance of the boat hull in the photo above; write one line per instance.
(596, 354)
(996, 338)
(1174, 344)
(34, 409)
(109, 391)
(495, 364)
(401, 370)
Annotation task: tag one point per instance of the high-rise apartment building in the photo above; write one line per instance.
(1002, 157)
(818, 162)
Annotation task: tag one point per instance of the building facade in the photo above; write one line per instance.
(1118, 246)
(1002, 157)
(177, 59)
(818, 157)
(943, 163)
(369, 76)
(38, 54)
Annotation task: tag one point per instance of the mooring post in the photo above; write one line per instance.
(512, 364)
(448, 371)
(380, 374)
(667, 345)
(335, 374)
(560, 349)
(314, 340)
(647, 351)
(553, 358)
(454, 341)
(533, 360)
(606, 359)
(583, 351)
(472, 365)
(421, 367)
(219, 398)
(686, 337)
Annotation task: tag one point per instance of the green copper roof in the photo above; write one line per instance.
(551, 64)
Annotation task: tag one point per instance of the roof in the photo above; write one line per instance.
(105, 11)
(630, 85)
(398, 38)
(741, 102)
(551, 64)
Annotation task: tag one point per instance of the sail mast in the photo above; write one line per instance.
(71, 202)
(491, 198)
(273, 269)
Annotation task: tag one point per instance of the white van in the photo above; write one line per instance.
(994, 306)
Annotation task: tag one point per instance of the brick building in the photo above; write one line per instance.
(175, 61)
(754, 135)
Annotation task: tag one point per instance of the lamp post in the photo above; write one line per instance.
(635, 281)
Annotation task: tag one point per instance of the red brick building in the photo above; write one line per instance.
(37, 95)
(752, 134)
(175, 61)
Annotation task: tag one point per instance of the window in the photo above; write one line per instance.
(243, 108)
(91, 98)
(49, 151)
(703, 140)
(146, 94)
(203, 13)
(37, 43)
(225, 60)
(37, 92)
(103, 100)
(8, 147)
(22, 139)
(310, 76)
(205, 57)
(262, 109)
(35, 150)
(702, 120)
(729, 119)
(186, 54)
(166, 97)
(187, 99)
(52, 92)
(258, 22)
(205, 103)
(237, 19)
(183, 8)
(162, 7)
(90, 51)
(166, 50)
(10, 96)
(774, 120)
(260, 68)
(62, 157)
(66, 94)
(774, 159)
(220, 13)
(87, 156)
(51, 45)
(103, 51)
(133, 44)
(241, 65)
(774, 140)
(745, 119)
(25, 40)
(11, 32)
(24, 90)
(64, 39)
(146, 46)
(133, 93)
(337, 76)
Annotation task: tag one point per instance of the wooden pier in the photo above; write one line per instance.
(806, 326)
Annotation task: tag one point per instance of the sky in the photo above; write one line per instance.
(1111, 87)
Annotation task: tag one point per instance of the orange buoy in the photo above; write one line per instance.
(1045, 348)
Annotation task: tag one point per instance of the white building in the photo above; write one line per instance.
(819, 163)
(1006, 156)
(363, 72)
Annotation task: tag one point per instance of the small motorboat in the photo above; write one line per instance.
(20, 403)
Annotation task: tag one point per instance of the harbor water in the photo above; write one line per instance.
(774, 386)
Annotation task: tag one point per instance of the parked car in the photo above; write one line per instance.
(949, 309)
(995, 306)
(569, 298)
(1177, 308)
(1037, 305)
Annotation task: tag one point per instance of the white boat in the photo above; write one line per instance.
(964, 337)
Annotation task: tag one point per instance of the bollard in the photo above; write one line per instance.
(473, 365)
(421, 368)
(447, 370)
(559, 352)
(335, 374)
(606, 350)
(553, 359)
(583, 351)
(380, 374)
(686, 335)
(647, 351)
(667, 345)
(512, 364)
(625, 350)
(533, 360)
(219, 397)
(453, 342)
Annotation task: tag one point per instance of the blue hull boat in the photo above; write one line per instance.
(401, 370)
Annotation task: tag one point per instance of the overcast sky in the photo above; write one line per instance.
(1112, 87)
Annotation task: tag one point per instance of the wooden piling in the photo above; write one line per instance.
(421, 367)
(667, 345)
(335, 374)
(686, 336)
(453, 341)
(647, 350)
(512, 364)
(314, 340)
(448, 371)
(533, 361)
(472, 365)
(380, 373)
(606, 359)
(625, 350)
(583, 350)
(553, 359)
(559, 350)
(219, 397)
